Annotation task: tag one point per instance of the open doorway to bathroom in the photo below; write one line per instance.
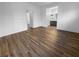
(51, 16)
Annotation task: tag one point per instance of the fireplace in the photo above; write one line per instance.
(53, 23)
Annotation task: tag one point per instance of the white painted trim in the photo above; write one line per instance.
(13, 32)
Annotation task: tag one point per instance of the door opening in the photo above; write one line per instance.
(29, 20)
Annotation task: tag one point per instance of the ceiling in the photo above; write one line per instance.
(41, 3)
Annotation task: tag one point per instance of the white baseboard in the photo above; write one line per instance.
(14, 32)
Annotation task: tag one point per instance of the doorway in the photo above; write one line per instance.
(29, 20)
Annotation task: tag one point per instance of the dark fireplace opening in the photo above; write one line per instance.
(53, 23)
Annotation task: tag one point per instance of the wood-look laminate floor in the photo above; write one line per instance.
(40, 42)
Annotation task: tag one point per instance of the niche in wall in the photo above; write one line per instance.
(51, 15)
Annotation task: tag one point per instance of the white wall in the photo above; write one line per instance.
(68, 18)
(13, 17)
(45, 21)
